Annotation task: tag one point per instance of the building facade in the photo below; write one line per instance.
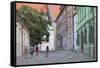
(86, 30)
(64, 29)
(22, 38)
(75, 20)
(70, 27)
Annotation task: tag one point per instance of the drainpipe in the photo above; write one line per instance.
(73, 24)
(22, 38)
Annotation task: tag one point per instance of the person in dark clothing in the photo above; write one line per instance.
(37, 49)
(47, 50)
(31, 51)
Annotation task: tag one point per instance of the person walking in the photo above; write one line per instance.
(31, 51)
(37, 49)
(47, 50)
(25, 52)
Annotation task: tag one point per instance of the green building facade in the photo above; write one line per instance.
(86, 30)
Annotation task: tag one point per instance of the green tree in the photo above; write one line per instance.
(37, 23)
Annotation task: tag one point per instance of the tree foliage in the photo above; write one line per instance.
(37, 23)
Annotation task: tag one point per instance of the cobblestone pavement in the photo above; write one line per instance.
(53, 57)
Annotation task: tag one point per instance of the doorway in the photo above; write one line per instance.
(82, 46)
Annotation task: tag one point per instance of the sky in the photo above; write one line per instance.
(55, 9)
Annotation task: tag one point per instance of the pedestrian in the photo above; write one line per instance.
(37, 49)
(25, 52)
(31, 51)
(47, 50)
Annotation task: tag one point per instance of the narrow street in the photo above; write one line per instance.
(53, 57)
(58, 29)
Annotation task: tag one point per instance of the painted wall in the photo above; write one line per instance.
(85, 22)
(19, 39)
(64, 29)
(75, 31)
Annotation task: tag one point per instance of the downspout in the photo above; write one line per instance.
(73, 24)
(22, 39)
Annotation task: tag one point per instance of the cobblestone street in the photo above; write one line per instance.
(54, 57)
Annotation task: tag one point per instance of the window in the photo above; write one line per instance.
(91, 33)
(91, 10)
(85, 36)
(81, 12)
(75, 8)
(84, 11)
(78, 38)
(79, 16)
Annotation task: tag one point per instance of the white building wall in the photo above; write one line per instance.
(25, 38)
(50, 43)
(19, 38)
(75, 32)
